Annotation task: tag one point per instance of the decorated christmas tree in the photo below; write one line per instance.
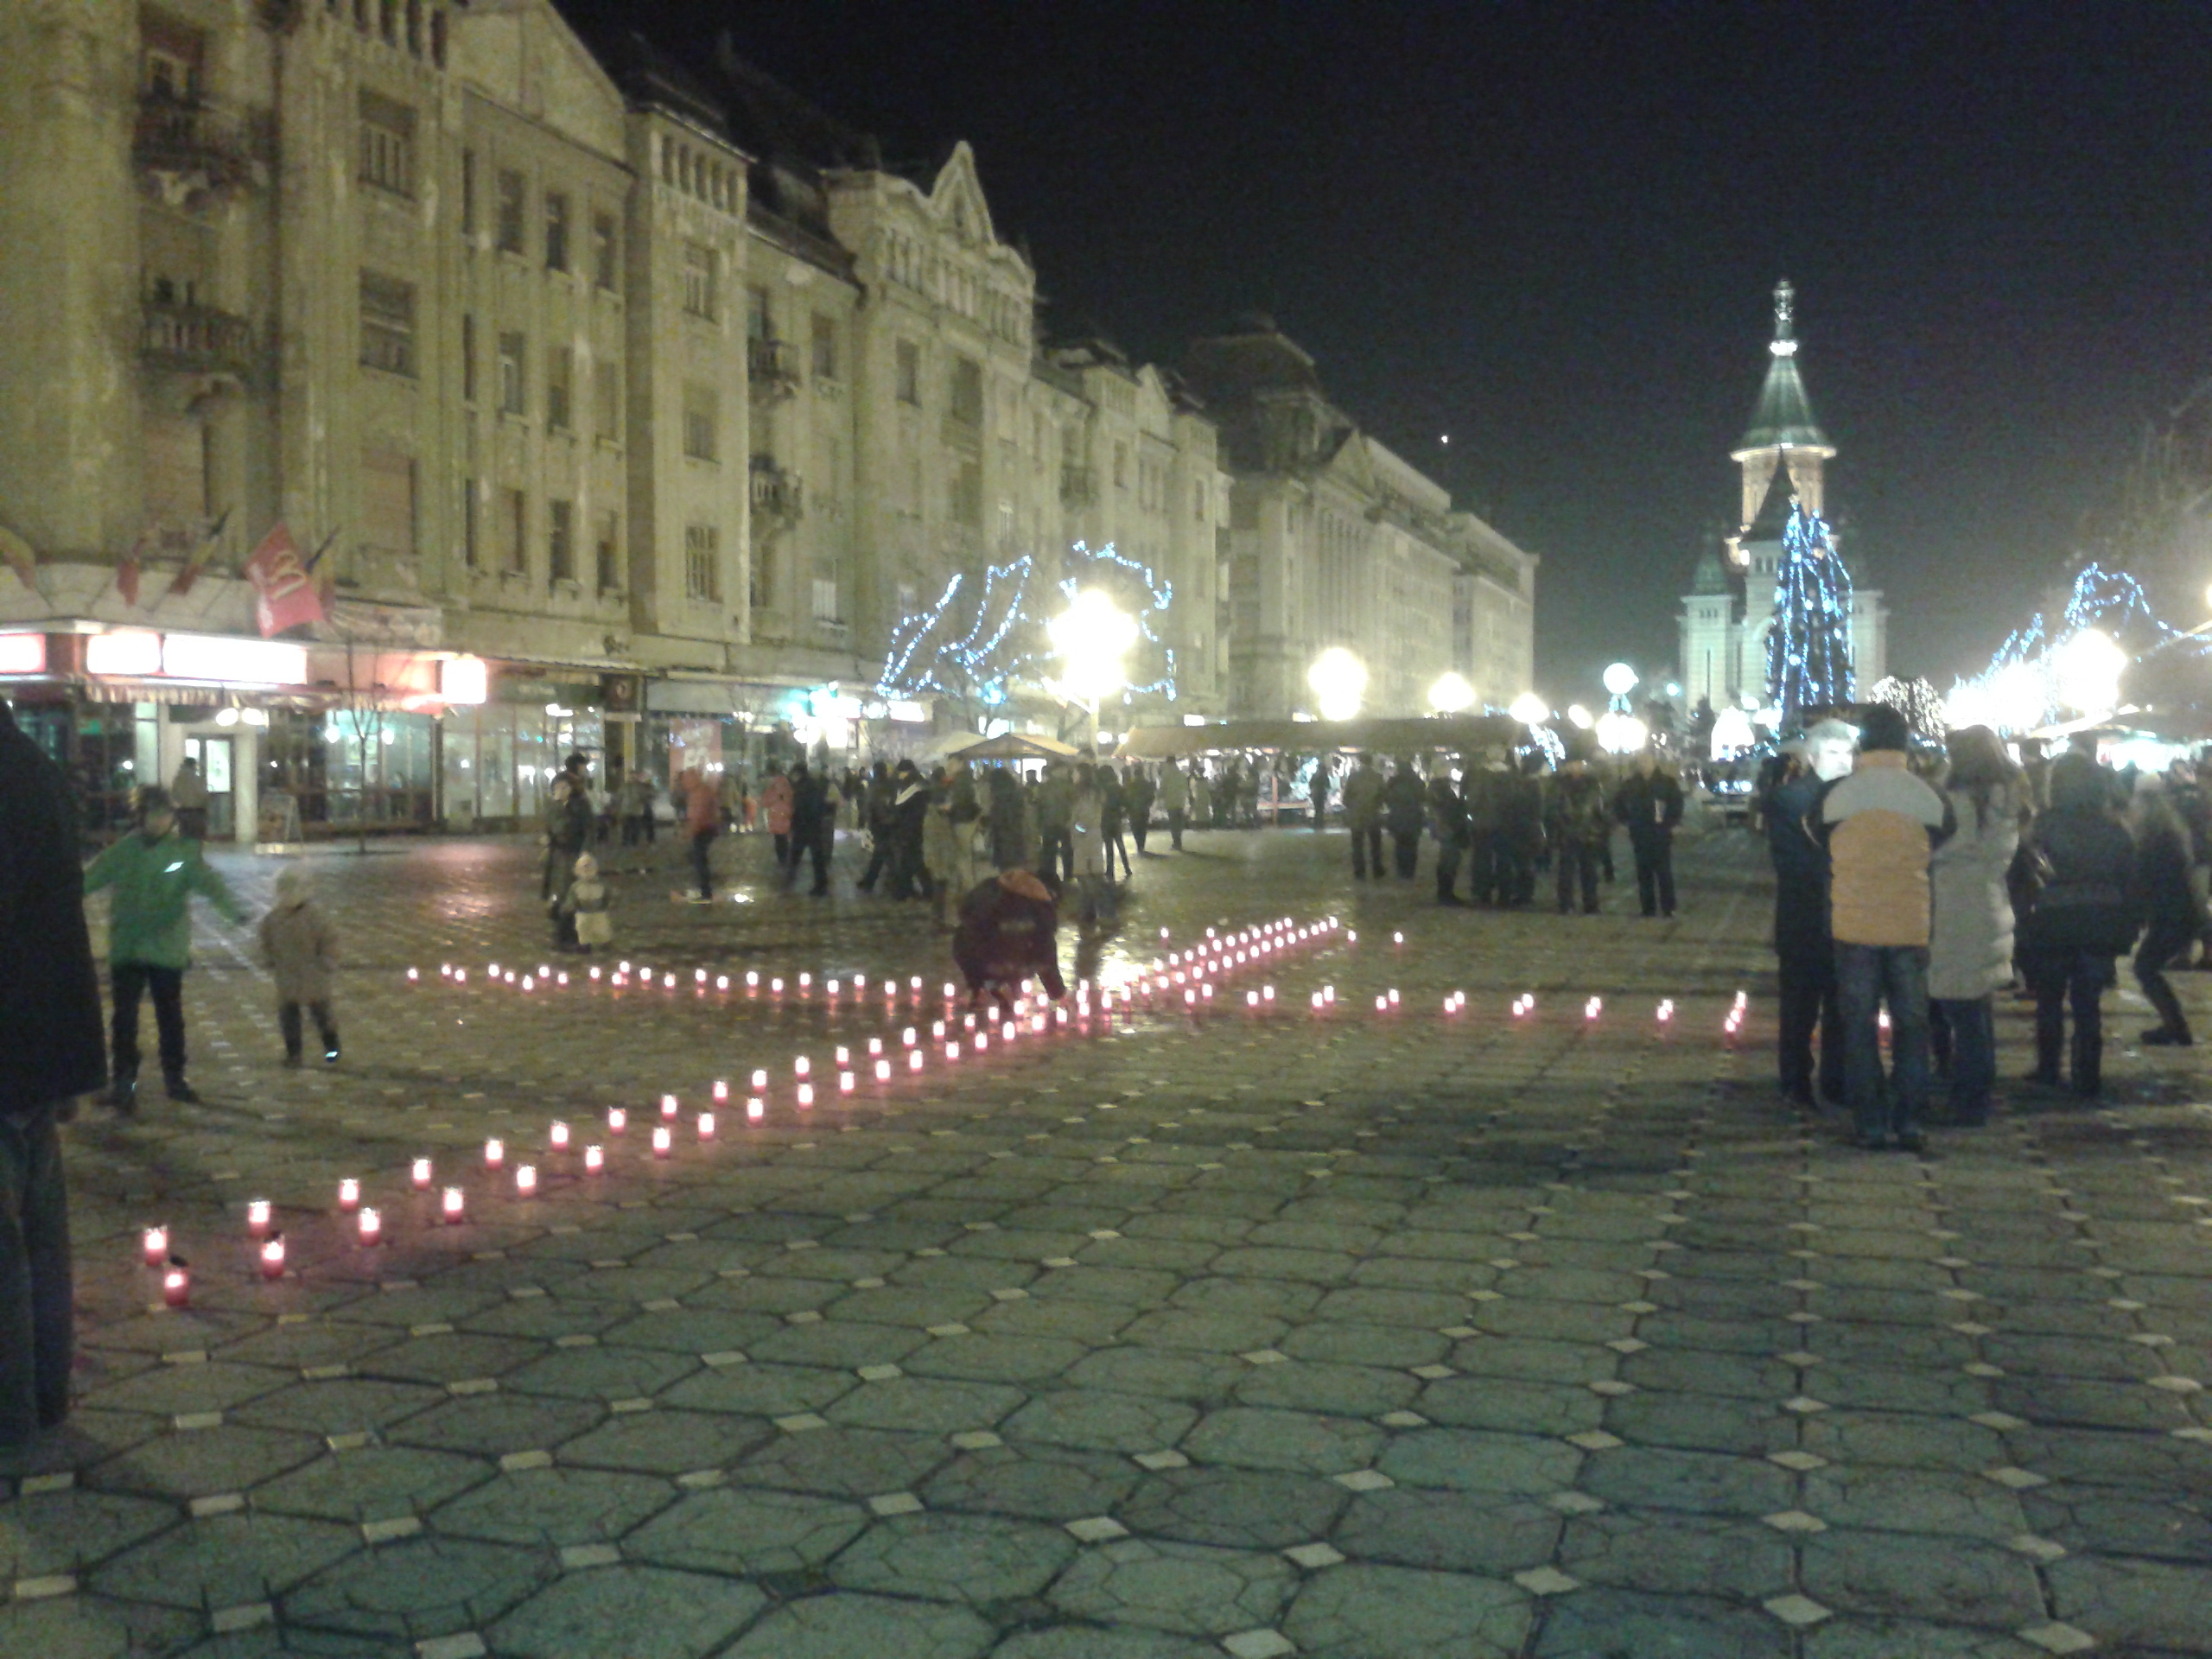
(1809, 648)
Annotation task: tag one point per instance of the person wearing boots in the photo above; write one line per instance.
(155, 872)
(2084, 913)
(1883, 825)
(2162, 869)
(300, 946)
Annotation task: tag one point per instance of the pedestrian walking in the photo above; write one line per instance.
(1117, 797)
(703, 820)
(1577, 826)
(2085, 910)
(49, 987)
(1316, 792)
(299, 946)
(776, 808)
(1970, 940)
(2169, 914)
(1008, 933)
(1139, 793)
(1012, 833)
(875, 818)
(1804, 947)
(589, 906)
(1883, 825)
(905, 825)
(188, 794)
(814, 825)
(1363, 813)
(1447, 816)
(1054, 805)
(1649, 803)
(1175, 800)
(155, 872)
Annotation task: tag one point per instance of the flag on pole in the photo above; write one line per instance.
(284, 595)
(180, 583)
(128, 572)
(20, 557)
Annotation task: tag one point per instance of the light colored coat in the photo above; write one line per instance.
(1088, 823)
(1970, 948)
(300, 945)
(1879, 820)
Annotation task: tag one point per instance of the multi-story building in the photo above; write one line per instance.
(1781, 460)
(1335, 541)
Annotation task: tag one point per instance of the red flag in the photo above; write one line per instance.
(284, 595)
(20, 557)
(127, 573)
(180, 583)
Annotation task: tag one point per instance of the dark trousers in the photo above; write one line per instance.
(191, 823)
(878, 860)
(1056, 856)
(701, 869)
(1447, 870)
(909, 876)
(783, 845)
(1405, 846)
(127, 982)
(1655, 872)
(2078, 977)
(1176, 820)
(1139, 826)
(1320, 811)
(288, 1021)
(1808, 999)
(1516, 872)
(1366, 847)
(1868, 977)
(2164, 944)
(37, 1329)
(1577, 864)
(1116, 844)
(1972, 1026)
(816, 845)
(1483, 867)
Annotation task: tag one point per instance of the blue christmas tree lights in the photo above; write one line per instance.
(1809, 648)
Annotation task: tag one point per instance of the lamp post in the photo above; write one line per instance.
(1093, 638)
(1619, 679)
(1451, 695)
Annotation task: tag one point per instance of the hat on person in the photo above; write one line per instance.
(586, 867)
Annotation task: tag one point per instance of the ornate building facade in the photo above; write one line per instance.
(1782, 458)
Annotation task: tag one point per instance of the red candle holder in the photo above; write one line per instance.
(371, 1225)
(156, 1246)
(595, 1160)
(272, 1257)
(349, 1196)
(420, 1174)
(177, 1286)
(451, 1205)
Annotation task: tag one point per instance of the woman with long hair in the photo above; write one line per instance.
(1970, 944)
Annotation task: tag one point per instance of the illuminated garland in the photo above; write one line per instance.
(1809, 648)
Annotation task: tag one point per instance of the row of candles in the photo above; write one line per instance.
(1215, 954)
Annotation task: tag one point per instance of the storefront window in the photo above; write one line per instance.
(376, 766)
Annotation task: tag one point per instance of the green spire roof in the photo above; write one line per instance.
(1784, 416)
(1773, 516)
(1711, 577)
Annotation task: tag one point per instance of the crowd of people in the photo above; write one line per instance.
(1925, 884)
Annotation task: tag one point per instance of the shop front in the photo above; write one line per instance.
(499, 756)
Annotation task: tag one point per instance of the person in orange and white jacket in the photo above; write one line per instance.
(1882, 825)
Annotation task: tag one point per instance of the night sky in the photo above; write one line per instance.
(1551, 233)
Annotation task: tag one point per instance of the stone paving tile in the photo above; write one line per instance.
(557, 1506)
(748, 1532)
(225, 1560)
(1358, 1612)
(644, 1612)
(1191, 1588)
(979, 1558)
(846, 1622)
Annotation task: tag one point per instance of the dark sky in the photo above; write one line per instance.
(1551, 231)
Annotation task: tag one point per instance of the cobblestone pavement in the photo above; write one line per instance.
(1364, 1335)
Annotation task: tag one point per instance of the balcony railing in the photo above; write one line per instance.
(778, 499)
(1078, 486)
(196, 339)
(963, 435)
(772, 368)
(193, 148)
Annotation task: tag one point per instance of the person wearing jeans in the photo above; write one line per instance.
(1881, 824)
(1970, 947)
(1804, 949)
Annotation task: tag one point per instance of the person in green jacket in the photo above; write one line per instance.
(155, 872)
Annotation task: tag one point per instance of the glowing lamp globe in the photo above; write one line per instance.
(1451, 695)
(1619, 680)
(1339, 682)
(1530, 709)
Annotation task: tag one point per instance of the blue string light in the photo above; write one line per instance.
(1809, 648)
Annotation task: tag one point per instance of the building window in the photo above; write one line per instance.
(1198, 502)
(825, 347)
(610, 553)
(826, 608)
(909, 372)
(468, 356)
(556, 231)
(702, 562)
(387, 500)
(967, 392)
(760, 320)
(468, 193)
(173, 55)
(508, 233)
(606, 252)
(760, 583)
(387, 324)
(470, 546)
(606, 389)
(560, 541)
(700, 415)
(516, 517)
(387, 144)
(512, 385)
(560, 373)
(968, 494)
(699, 280)
(1120, 466)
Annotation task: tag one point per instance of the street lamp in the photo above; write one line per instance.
(1578, 717)
(1620, 679)
(1093, 638)
(1451, 695)
(1620, 734)
(2089, 666)
(1339, 681)
(1529, 709)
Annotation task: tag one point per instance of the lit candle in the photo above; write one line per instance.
(949, 991)
(982, 1041)
(721, 1090)
(460, 976)
(883, 1071)
(372, 1226)
(349, 1194)
(802, 1066)
(875, 1045)
(527, 983)
(759, 1081)
(844, 1083)
(860, 981)
(937, 1029)
(1382, 1005)
(777, 986)
(698, 975)
(177, 1286)
(661, 1141)
(913, 1060)
(755, 1109)
(412, 976)
(526, 1180)
(562, 980)
(445, 970)
(558, 1135)
(493, 969)
(272, 1258)
(1394, 996)
(668, 1105)
(1008, 1030)
(915, 984)
(594, 973)
(617, 1120)
(752, 982)
(1252, 1000)
(721, 981)
(595, 1160)
(156, 1244)
(952, 1051)
(1267, 993)
(257, 1217)
(451, 1205)
(907, 1037)
(806, 1094)
(805, 981)
(668, 981)
(495, 1154)
(706, 1126)
(420, 1174)
(844, 1056)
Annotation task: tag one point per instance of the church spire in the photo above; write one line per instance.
(1785, 317)
(1782, 419)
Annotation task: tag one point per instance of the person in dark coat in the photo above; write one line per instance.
(1650, 801)
(47, 987)
(1521, 833)
(1803, 947)
(814, 824)
(1448, 813)
(2084, 913)
(1484, 789)
(1579, 827)
(1405, 810)
(1008, 932)
(2161, 867)
(1116, 795)
(1317, 791)
(1137, 797)
(876, 796)
(908, 816)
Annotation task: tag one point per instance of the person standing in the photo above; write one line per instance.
(1317, 791)
(1054, 804)
(155, 872)
(1650, 801)
(1174, 800)
(814, 825)
(876, 796)
(1883, 824)
(1013, 842)
(300, 945)
(1578, 826)
(48, 985)
(1363, 812)
(1405, 810)
(1970, 941)
(188, 792)
(1804, 949)
(905, 826)
(2084, 913)
(640, 821)
(1110, 787)
(703, 818)
(2161, 867)
(1227, 797)
(1087, 823)
(1139, 793)
(776, 809)
(1202, 794)
(1447, 811)
(1521, 833)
